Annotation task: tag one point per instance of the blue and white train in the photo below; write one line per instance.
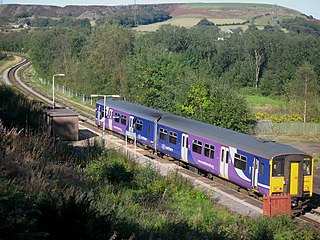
(263, 167)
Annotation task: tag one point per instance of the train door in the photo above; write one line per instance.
(224, 160)
(293, 174)
(255, 171)
(287, 175)
(184, 147)
(104, 113)
(99, 114)
(110, 119)
(294, 178)
(131, 123)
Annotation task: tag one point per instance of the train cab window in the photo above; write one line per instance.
(261, 168)
(123, 120)
(307, 166)
(117, 117)
(163, 134)
(240, 161)
(278, 167)
(139, 125)
(209, 151)
(173, 137)
(197, 146)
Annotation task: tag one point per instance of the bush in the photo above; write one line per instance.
(111, 166)
(278, 117)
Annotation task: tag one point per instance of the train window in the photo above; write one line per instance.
(240, 161)
(163, 134)
(149, 128)
(102, 111)
(278, 167)
(123, 120)
(173, 137)
(139, 125)
(117, 117)
(261, 168)
(307, 166)
(197, 146)
(209, 151)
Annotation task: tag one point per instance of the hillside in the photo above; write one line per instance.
(9, 11)
(216, 11)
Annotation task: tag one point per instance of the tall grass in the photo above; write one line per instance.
(149, 206)
(17, 111)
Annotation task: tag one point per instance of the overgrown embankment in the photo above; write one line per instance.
(53, 190)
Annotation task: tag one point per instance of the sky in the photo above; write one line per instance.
(309, 7)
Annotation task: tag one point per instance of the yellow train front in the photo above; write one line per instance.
(292, 174)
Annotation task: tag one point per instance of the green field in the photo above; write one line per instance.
(189, 22)
(189, 15)
(264, 104)
(4, 64)
(254, 101)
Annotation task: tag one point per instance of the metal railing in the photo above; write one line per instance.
(69, 92)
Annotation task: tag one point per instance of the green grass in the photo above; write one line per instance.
(268, 105)
(171, 208)
(190, 21)
(10, 61)
(254, 101)
(228, 28)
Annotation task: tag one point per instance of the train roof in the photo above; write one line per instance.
(245, 142)
(132, 108)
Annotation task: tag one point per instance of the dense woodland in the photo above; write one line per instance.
(198, 72)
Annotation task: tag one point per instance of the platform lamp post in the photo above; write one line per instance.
(55, 75)
(104, 109)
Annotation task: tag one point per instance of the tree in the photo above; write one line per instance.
(106, 48)
(197, 101)
(304, 90)
(205, 22)
(215, 104)
(255, 49)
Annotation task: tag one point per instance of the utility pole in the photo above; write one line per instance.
(275, 13)
(135, 13)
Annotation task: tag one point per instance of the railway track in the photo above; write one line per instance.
(310, 220)
(88, 121)
(13, 78)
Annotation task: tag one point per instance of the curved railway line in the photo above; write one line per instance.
(88, 121)
(14, 79)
